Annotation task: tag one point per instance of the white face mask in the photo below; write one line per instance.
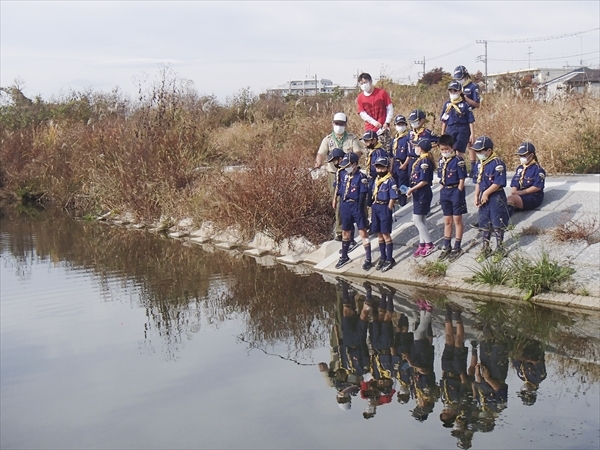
(339, 129)
(366, 87)
(414, 125)
(349, 169)
(523, 159)
(481, 156)
(418, 151)
(454, 96)
(400, 128)
(446, 154)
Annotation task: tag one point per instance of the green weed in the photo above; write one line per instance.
(491, 273)
(433, 269)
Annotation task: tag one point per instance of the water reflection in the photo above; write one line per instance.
(460, 363)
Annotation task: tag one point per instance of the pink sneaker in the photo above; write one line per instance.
(424, 305)
(418, 251)
(427, 250)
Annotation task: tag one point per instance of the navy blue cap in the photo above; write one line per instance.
(425, 145)
(525, 148)
(482, 143)
(416, 114)
(336, 153)
(400, 119)
(455, 85)
(369, 135)
(350, 158)
(459, 72)
(382, 161)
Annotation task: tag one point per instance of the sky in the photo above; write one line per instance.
(54, 47)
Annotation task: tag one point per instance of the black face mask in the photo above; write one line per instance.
(371, 145)
(381, 174)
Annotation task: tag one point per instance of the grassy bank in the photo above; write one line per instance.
(163, 154)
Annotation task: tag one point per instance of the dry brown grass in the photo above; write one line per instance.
(582, 229)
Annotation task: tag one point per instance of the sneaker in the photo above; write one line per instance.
(367, 264)
(499, 254)
(338, 238)
(455, 254)
(387, 265)
(445, 253)
(483, 254)
(342, 262)
(418, 251)
(424, 305)
(380, 264)
(427, 250)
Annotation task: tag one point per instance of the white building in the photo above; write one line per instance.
(579, 81)
(539, 76)
(309, 87)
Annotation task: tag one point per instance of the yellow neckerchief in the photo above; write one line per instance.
(525, 166)
(337, 141)
(348, 181)
(418, 160)
(378, 182)
(482, 164)
(448, 401)
(350, 362)
(445, 163)
(383, 373)
(454, 104)
(417, 132)
(467, 81)
(401, 135)
(378, 145)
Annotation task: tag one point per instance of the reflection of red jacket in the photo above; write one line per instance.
(374, 105)
(381, 399)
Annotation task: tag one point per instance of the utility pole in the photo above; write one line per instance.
(422, 62)
(529, 57)
(485, 60)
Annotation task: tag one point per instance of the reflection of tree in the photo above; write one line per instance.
(179, 286)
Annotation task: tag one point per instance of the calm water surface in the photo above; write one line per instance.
(115, 338)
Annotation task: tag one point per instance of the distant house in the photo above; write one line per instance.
(498, 81)
(581, 80)
(309, 87)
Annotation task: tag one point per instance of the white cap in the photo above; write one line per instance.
(341, 117)
(344, 406)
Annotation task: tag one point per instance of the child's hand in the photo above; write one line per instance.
(484, 198)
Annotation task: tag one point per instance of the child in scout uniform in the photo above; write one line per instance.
(470, 94)
(418, 131)
(399, 152)
(421, 178)
(528, 182)
(352, 193)
(452, 172)
(490, 198)
(457, 119)
(383, 196)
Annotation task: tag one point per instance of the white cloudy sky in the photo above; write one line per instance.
(226, 46)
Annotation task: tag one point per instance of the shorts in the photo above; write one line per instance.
(381, 218)
(354, 331)
(532, 201)
(351, 214)
(382, 335)
(494, 356)
(404, 342)
(453, 201)
(422, 200)
(454, 360)
(461, 137)
(494, 214)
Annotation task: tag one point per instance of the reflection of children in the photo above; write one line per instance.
(403, 372)
(527, 186)
(490, 198)
(421, 178)
(452, 173)
(384, 194)
(530, 364)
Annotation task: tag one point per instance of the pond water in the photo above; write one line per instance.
(115, 338)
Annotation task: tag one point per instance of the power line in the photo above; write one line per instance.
(464, 47)
(518, 41)
(547, 59)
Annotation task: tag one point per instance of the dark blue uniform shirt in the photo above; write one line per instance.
(534, 175)
(494, 172)
(352, 186)
(451, 170)
(454, 118)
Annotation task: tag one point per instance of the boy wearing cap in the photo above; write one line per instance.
(399, 152)
(383, 196)
(527, 185)
(470, 94)
(419, 131)
(490, 198)
(452, 172)
(457, 119)
(375, 107)
(352, 193)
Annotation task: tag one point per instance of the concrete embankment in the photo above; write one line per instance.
(573, 199)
